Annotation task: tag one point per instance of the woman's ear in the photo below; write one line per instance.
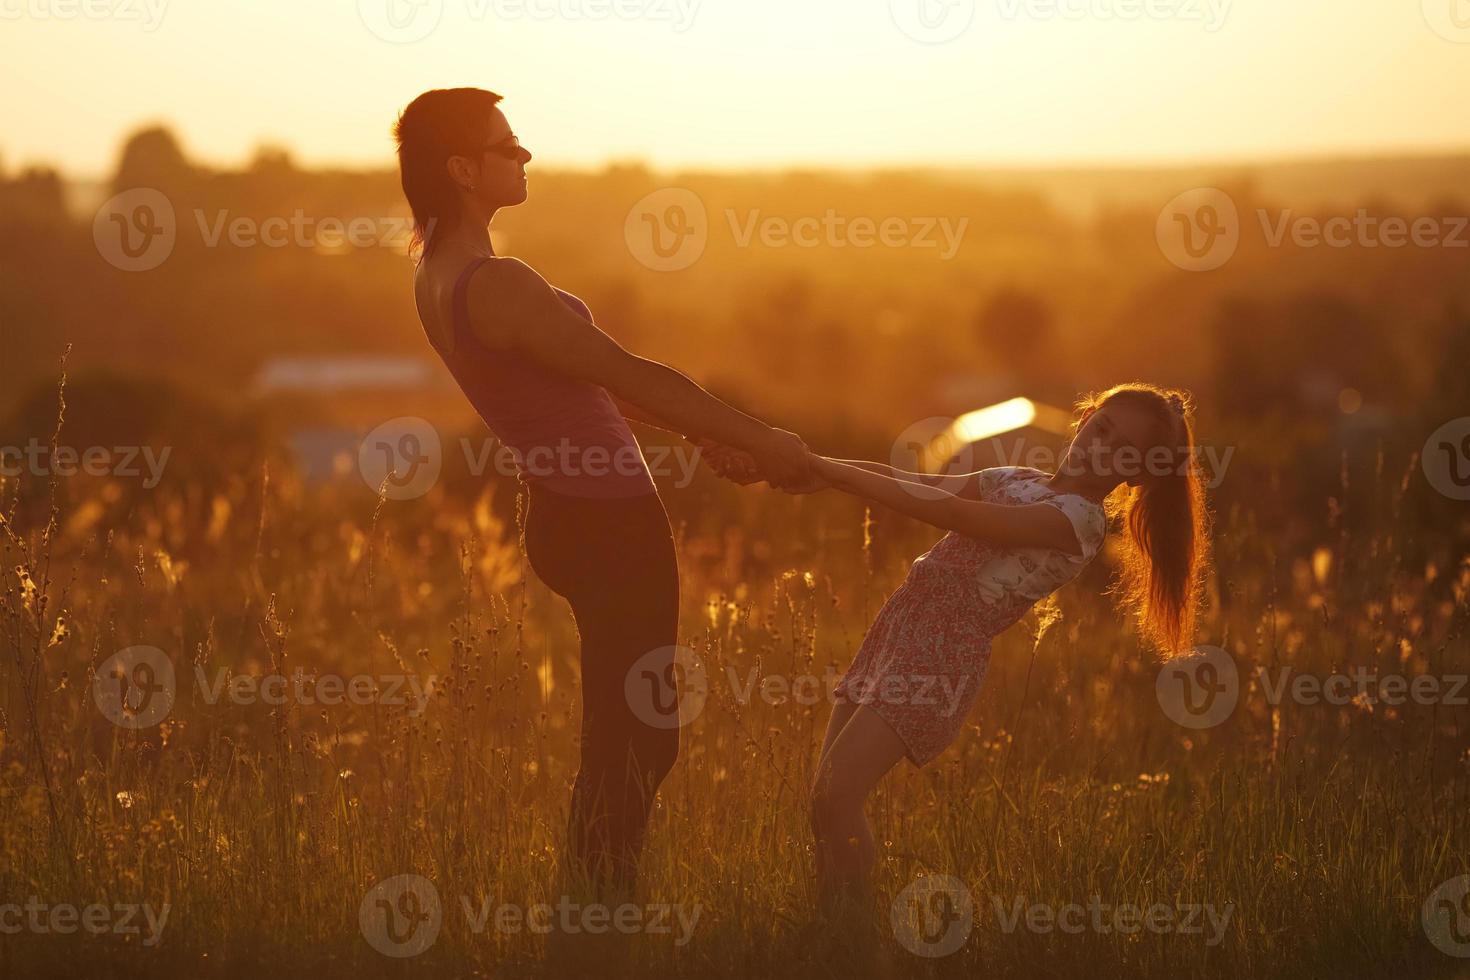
(461, 172)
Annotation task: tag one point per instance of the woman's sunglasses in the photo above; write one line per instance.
(508, 148)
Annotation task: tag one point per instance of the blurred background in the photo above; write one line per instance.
(849, 218)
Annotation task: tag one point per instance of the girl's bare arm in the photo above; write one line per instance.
(1020, 526)
(964, 485)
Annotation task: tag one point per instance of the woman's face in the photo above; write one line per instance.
(1118, 442)
(501, 182)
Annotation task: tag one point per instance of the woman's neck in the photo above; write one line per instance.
(473, 239)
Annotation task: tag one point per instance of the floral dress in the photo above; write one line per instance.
(921, 663)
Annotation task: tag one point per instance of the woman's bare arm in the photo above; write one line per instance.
(511, 306)
(637, 413)
(735, 465)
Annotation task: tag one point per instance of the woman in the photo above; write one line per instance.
(559, 392)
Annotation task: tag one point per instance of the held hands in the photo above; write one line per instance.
(785, 463)
(817, 478)
(783, 460)
(735, 465)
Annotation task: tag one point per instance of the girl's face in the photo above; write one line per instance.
(1120, 442)
(499, 179)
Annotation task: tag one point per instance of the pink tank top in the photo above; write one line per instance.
(566, 435)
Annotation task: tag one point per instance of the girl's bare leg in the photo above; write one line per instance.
(841, 714)
(853, 764)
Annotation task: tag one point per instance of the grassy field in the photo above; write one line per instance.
(1292, 840)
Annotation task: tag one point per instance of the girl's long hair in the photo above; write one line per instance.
(1165, 519)
(437, 125)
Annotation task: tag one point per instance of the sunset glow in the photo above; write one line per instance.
(726, 84)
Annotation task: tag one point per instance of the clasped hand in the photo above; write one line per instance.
(785, 463)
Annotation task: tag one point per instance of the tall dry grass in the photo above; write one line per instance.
(1322, 829)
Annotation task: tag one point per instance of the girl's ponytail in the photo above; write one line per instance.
(1165, 520)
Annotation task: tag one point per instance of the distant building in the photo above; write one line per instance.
(1017, 432)
(324, 454)
(339, 373)
(330, 402)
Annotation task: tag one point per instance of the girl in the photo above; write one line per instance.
(1016, 535)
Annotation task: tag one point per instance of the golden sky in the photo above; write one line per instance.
(734, 83)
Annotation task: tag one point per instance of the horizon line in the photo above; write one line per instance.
(1001, 165)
